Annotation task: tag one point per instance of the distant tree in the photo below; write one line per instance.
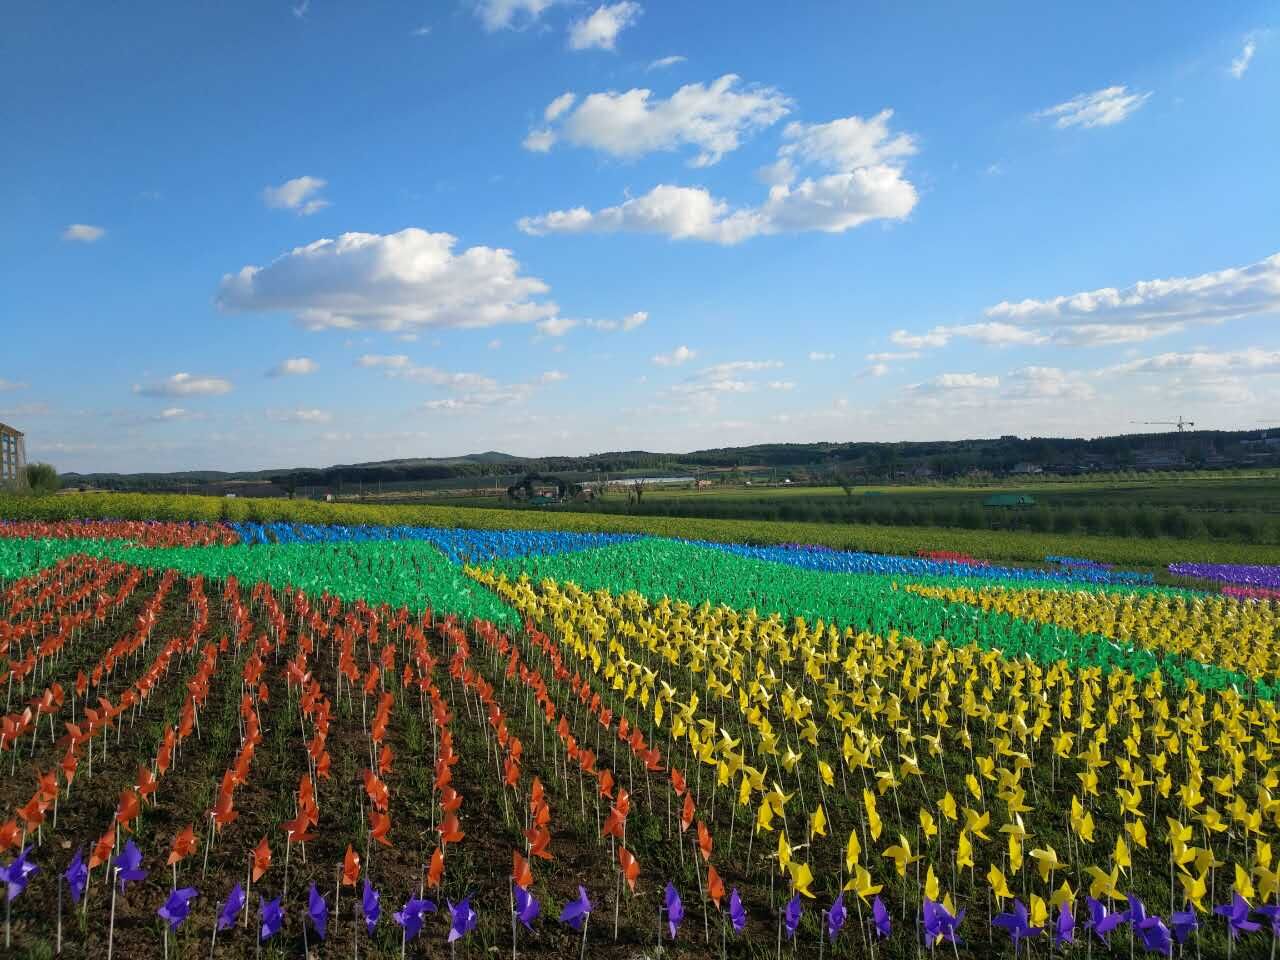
(42, 478)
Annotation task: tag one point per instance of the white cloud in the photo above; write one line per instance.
(875, 370)
(713, 387)
(300, 8)
(83, 233)
(626, 324)
(311, 415)
(870, 186)
(423, 31)
(508, 14)
(539, 141)
(11, 385)
(298, 195)
(169, 414)
(958, 381)
(518, 393)
(781, 385)
(818, 356)
(1102, 108)
(713, 118)
(847, 143)
(555, 326)
(663, 62)
(554, 376)
(401, 367)
(937, 337)
(679, 355)
(495, 344)
(293, 367)
(733, 368)
(184, 385)
(1250, 361)
(394, 282)
(1031, 384)
(600, 30)
(892, 357)
(1241, 63)
(1110, 316)
(558, 106)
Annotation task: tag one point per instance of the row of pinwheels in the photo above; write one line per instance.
(1205, 628)
(1248, 575)
(1010, 711)
(146, 533)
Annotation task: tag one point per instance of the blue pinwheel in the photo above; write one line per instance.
(1017, 923)
(737, 913)
(128, 865)
(1102, 922)
(675, 909)
(791, 916)
(228, 912)
(17, 875)
(527, 907)
(77, 876)
(836, 917)
(1237, 914)
(880, 917)
(575, 912)
(939, 922)
(1155, 936)
(175, 909)
(317, 910)
(369, 904)
(1184, 924)
(1064, 930)
(412, 916)
(462, 919)
(272, 918)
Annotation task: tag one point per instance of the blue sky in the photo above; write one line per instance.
(262, 234)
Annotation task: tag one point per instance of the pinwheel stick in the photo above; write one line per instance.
(111, 927)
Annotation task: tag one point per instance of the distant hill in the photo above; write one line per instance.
(832, 462)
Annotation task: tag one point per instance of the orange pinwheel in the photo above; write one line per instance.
(521, 872)
(385, 758)
(686, 815)
(450, 830)
(350, 867)
(102, 849)
(33, 813)
(128, 809)
(539, 843)
(261, 859)
(146, 782)
(436, 872)
(630, 867)
(677, 782)
(380, 824)
(613, 825)
(606, 784)
(10, 836)
(184, 844)
(704, 840)
(715, 886)
(450, 800)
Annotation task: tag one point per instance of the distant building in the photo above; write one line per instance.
(13, 457)
(1027, 468)
(1009, 436)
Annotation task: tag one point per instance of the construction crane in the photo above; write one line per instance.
(1180, 423)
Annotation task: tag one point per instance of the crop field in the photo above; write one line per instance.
(371, 734)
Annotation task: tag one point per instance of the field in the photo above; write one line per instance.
(420, 731)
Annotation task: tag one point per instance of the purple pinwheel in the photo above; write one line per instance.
(527, 907)
(228, 912)
(411, 917)
(1017, 923)
(737, 913)
(1237, 914)
(880, 917)
(675, 909)
(836, 917)
(1137, 911)
(1184, 924)
(317, 910)
(1272, 912)
(17, 874)
(174, 910)
(1101, 921)
(1065, 929)
(576, 911)
(272, 918)
(462, 919)
(369, 903)
(792, 915)
(939, 922)
(77, 876)
(128, 865)
(1154, 936)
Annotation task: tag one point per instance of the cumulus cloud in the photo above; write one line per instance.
(679, 355)
(554, 376)
(869, 184)
(1109, 316)
(293, 367)
(83, 233)
(184, 385)
(510, 14)
(1034, 383)
(298, 195)
(304, 415)
(1102, 108)
(626, 324)
(394, 282)
(11, 385)
(892, 357)
(1250, 361)
(555, 326)
(1241, 63)
(781, 385)
(818, 356)
(734, 368)
(399, 366)
(517, 393)
(663, 62)
(957, 381)
(600, 29)
(713, 118)
(875, 370)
